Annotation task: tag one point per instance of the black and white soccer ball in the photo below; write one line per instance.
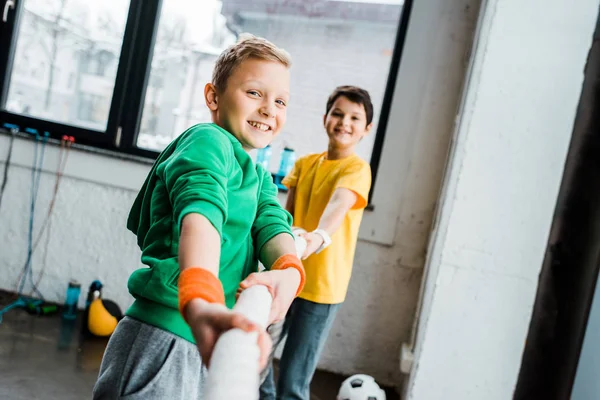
(360, 387)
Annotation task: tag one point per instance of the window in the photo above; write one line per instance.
(129, 75)
(54, 36)
(190, 36)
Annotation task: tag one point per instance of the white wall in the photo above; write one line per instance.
(499, 197)
(89, 240)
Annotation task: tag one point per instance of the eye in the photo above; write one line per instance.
(253, 93)
(281, 102)
(355, 118)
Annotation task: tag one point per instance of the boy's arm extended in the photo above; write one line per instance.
(340, 203)
(277, 251)
(199, 254)
(285, 275)
(195, 177)
(351, 193)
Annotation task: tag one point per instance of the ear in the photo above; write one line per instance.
(324, 119)
(368, 129)
(210, 96)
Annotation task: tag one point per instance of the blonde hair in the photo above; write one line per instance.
(247, 47)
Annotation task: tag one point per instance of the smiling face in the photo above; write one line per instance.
(346, 124)
(254, 103)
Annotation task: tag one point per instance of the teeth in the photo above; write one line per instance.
(260, 126)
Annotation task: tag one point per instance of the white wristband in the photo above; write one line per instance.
(326, 239)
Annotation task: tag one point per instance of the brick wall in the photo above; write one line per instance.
(326, 54)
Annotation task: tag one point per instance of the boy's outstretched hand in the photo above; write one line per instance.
(283, 285)
(313, 242)
(209, 320)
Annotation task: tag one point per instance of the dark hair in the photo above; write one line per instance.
(355, 95)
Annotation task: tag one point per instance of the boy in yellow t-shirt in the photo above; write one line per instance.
(328, 193)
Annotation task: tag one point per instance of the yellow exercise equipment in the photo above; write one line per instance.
(100, 321)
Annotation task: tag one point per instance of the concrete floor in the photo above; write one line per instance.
(42, 358)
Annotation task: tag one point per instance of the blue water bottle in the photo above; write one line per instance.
(73, 292)
(263, 157)
(288, 158)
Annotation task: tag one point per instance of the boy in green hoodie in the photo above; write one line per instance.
(204, 217)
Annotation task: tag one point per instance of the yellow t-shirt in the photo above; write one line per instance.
(316, 179)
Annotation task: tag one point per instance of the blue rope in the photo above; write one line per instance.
(21, 302)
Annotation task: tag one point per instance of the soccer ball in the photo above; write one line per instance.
(360, 387)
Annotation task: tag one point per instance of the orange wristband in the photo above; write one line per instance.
(291, 261)
(199, 283)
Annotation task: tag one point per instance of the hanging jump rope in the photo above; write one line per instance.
(63, 155)
(36, 173)
(27, 271)
(65, 148)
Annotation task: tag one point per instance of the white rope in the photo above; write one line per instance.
(234, 368)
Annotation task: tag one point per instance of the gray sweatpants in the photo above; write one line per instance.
(144, 362)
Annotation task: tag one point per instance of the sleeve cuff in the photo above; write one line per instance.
(289, 183)
(361, 200)
(208, 210)
(268, 234)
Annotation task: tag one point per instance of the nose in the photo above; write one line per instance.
(268, 110)
(346, 121)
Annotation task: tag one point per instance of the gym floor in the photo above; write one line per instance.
(42, 358)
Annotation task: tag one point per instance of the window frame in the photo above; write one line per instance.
(131, 81)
